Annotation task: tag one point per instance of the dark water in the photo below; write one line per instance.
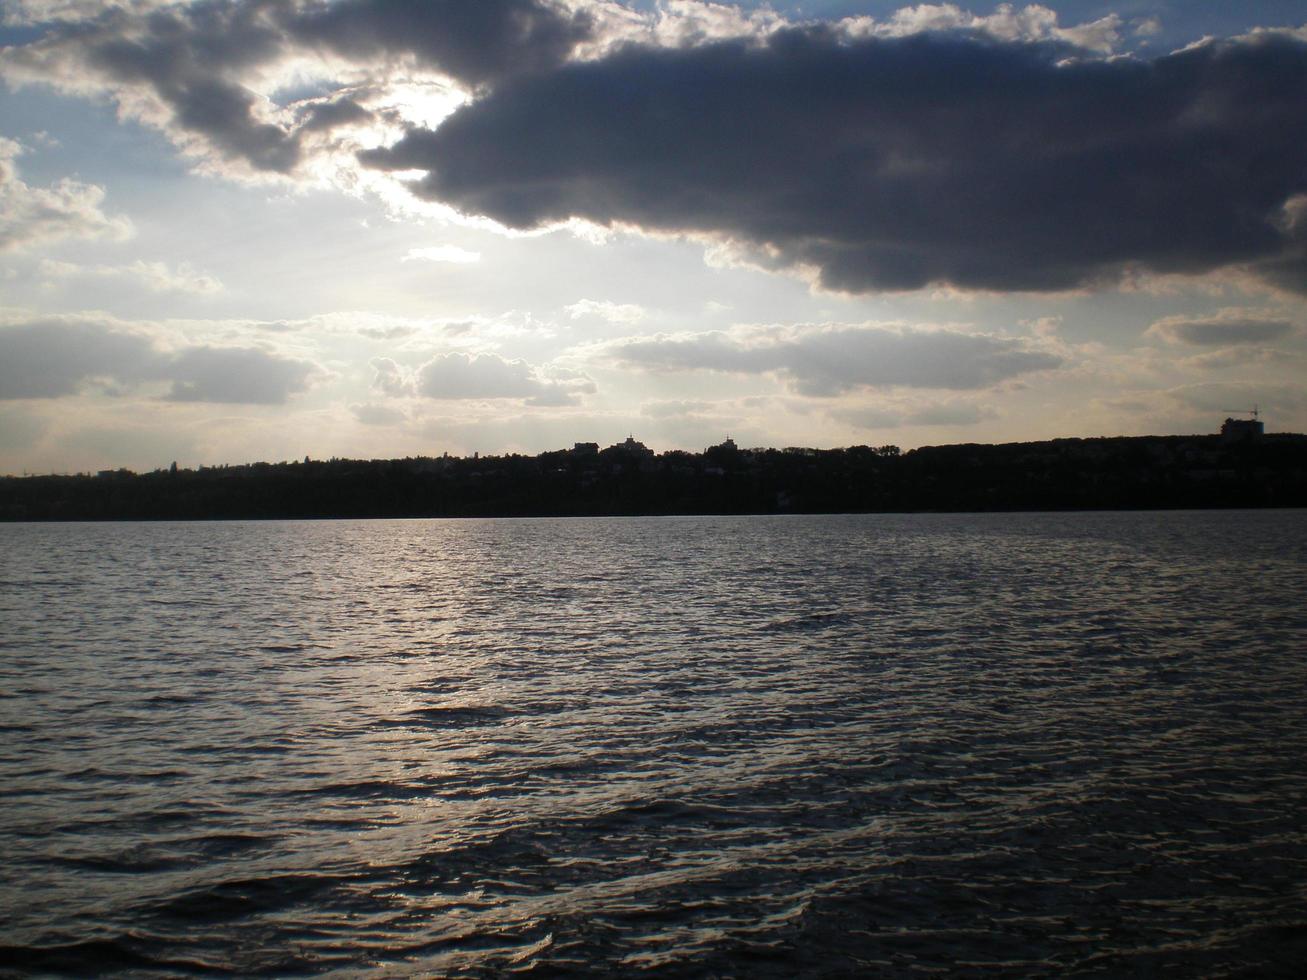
(1022, 744)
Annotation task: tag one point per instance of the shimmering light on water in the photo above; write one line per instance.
(1041, 743)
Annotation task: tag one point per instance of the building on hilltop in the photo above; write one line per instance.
(1243, 430)
(634, 448)
(629, 456)
(721, 457)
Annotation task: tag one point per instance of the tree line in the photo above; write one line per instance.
(1064, 474)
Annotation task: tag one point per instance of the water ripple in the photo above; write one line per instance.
(1011, 744)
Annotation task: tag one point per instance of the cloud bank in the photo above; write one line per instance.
(157, 277)
(63, 356)
(456, 376)
(831, 360)
(1225, 327)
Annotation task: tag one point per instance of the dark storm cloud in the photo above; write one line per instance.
(897, 163)
(476, 43)
(58, 357)
(193, 59)
(189, 58)
(328, 115)
(828, 362)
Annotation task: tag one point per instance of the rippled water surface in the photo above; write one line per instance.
(1028, 744)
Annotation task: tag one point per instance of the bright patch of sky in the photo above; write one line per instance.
(262, 229)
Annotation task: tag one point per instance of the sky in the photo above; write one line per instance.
(239, 230)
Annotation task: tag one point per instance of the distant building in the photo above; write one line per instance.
(586, 449)
(634, 448)
(1242, 430)
(721, 458)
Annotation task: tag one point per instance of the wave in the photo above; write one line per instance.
(448, 716)
(240, 898)
(93, 958)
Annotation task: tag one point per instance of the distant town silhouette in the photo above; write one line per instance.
(1242, 467)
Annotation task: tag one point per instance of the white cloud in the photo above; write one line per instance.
(1101, 35)
(39, 215)
(1033, 22)
(489, 376)
(389, 378)
(682, 23)
(1044, 326)
(26, 12)
(370, 414)
(156, 276)
(675, 408)
(688, 23)
(605, 310)
(441, 253)
(1147, 27)
(398, 332)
